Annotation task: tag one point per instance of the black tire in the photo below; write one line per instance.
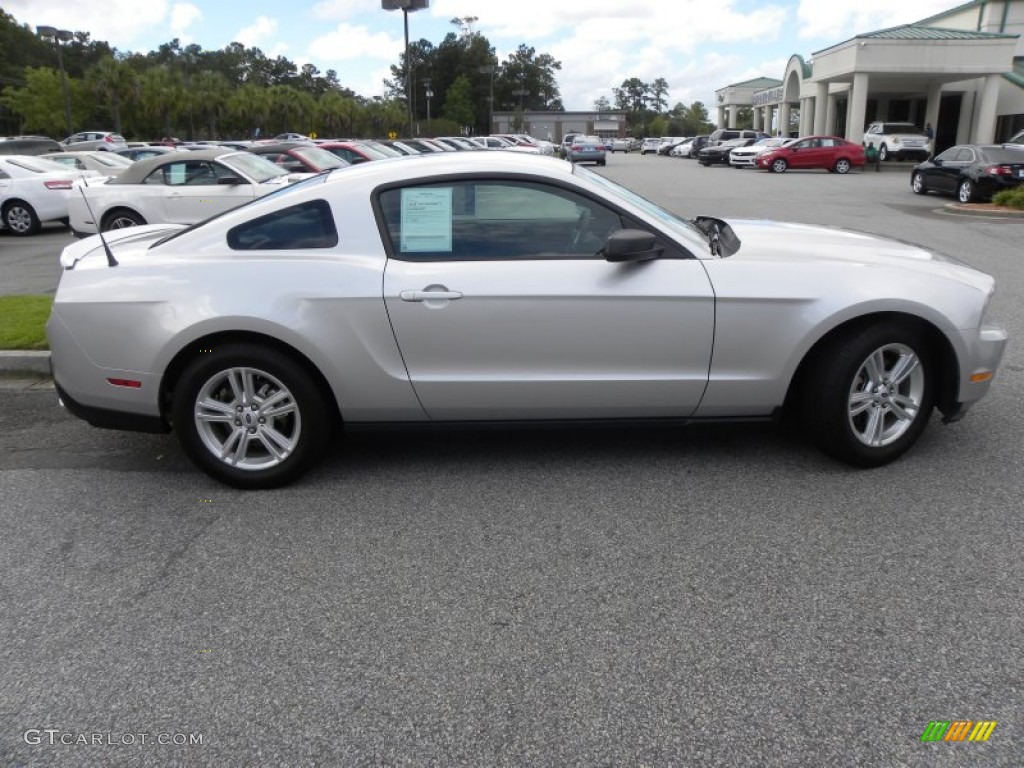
(121, 218)
(842, 165)
(965, 191)
(279, 402)
(883, 153)
(20, 218)
(779, 165)
(917, 183)
(869, 419)
(600, 162)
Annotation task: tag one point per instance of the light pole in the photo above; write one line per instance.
(429, 94)
(488, 69)
(59, 36)
(406, 6)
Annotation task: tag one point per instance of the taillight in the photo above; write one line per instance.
(999, 170)
(59, 184)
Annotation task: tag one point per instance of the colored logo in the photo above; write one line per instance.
(958, 730)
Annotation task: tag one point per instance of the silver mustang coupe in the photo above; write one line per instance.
(493, 286)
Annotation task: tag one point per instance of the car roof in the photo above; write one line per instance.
(280, 146)
(140, 169)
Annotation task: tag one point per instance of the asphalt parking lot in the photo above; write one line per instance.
(713, 596)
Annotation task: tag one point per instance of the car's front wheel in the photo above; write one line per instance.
(779, 165)
(883, 152)
(870, 397)
(965, 191)
(250, 416)
(917, 184)
(20, 218)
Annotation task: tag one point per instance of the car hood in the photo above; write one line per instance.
(790, 241)
(127, 245)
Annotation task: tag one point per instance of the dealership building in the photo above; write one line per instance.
(962, 71)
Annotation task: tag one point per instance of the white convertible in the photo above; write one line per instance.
(179, 188)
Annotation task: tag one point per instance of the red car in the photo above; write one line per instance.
(828, 152)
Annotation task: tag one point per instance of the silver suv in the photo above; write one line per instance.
(898, 141)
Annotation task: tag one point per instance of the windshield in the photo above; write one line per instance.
(37, 164)
(111, 159)
(257, 168)
(320, 157)
(285, 190)
(677, 224)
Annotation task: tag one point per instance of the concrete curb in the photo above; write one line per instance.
(985, 209)
(25, 362)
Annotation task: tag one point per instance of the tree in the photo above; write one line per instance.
(40, 102)
(458, 106)
(209, 95)
(528, 79)
(249, 107)
(115, 83)
(601, 104)
(658, 91)
(163, 95)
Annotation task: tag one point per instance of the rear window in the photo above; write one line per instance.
(901, 128)
(1004, 155)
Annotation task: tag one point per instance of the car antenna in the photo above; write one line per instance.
(111, 261)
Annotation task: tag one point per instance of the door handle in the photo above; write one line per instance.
(428, 295)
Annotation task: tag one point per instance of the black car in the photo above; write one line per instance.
(699, 142)
(720, 154)
(971, 171)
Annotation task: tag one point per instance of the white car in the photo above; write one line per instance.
(481, 287)
(650, 144)
(104, 163)
(746, 157)
(34, 190)
(898, 141)
(177, 188)
(682, 149)
(621, 145)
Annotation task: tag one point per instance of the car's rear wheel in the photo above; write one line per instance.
(250, 416)
(917, 183)
(20, 218)
(842, 165)
(779, 165)
(965, 191)
(870, 397)
(120, 219)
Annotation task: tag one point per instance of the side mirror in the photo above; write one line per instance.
(631, 245)
(936, 161)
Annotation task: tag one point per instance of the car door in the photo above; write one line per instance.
(503, 308)
(807, 153)
(192, 190)
(945, 176)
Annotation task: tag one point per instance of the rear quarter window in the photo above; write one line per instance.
(298, 227)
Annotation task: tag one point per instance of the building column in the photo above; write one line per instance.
(784, 119)
(857, 107)
(985, 120)
(720, 121)
(733, 110)
(931, 110)
(757, 118)
(821, 109)
(808, 113)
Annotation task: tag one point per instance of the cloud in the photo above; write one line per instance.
(120, 20)
(348, 43)
(183, 15)
(344, 10)
(251, 36)
(840, 20)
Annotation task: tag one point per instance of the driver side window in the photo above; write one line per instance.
(471, 220)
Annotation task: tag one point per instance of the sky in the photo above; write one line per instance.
(698, 46)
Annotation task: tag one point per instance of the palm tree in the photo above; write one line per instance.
(209, 96)
(163, 94)
(249, 106)
(116, 83)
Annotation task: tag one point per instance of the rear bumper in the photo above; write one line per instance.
(108, 419)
